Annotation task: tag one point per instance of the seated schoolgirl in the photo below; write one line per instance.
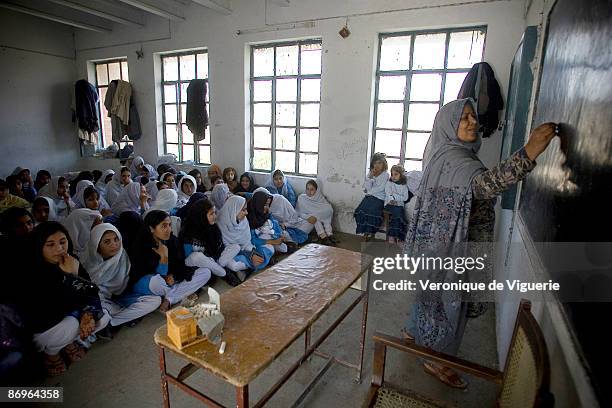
(213, 172)
(57, 190)
(140, 168)
(369, 214)
(43, 210)
(278, 184)
(63, 306)
(108, 265)
(169, 179)
(396, 194)
(165, 201)
(119, 181)
(296, 227)
(153, 188)
(229, 178)
(313, 207)
(16, 225)
(15, 186)
(42, 179)
(265, 230)
(187, 186)
(87, 196)
(246, 185)
(79, 224)
(27, 184)
(234, 225)
(7, 200)
(105, 178)
(203, 244)
(197, 175)
(184, 210)
(220, 193)
(133, 197)
(158, 263)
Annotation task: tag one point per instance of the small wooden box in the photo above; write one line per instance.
(182, 328)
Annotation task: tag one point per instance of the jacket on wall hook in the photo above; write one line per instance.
(480, 84)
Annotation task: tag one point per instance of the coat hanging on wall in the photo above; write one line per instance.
(197, 117)
(85, 109)
(480, 84)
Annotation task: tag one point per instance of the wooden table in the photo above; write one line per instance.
(266, 314)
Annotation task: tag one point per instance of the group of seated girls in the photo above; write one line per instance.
(382, 208)
(128, 242)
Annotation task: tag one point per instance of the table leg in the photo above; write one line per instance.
(164, 382)
(364, 321)
(242, 397)
(307, 339)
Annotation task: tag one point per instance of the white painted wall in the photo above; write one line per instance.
(37, 71)
(347, 77)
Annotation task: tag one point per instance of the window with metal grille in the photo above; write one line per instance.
(417, 73)
(285, 88)
(177, 70)
(106, 72)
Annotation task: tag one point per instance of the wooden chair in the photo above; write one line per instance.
(524, 381)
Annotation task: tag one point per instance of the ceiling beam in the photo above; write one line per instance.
(118, 14)
(220, 6)
(154, 8)
(53, 17)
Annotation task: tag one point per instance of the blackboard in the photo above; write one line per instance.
(517, 105)
(567, 198)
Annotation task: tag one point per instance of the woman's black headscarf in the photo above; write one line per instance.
(196, 230)
(184, 210)
(255, 206)
(145, 261)
(252, 185)
(53, 293)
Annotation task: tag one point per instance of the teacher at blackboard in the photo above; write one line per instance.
(455, 203)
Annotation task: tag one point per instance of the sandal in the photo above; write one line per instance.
(74, 352)
(54, 364)
(445, 375)
(407, 336)
(190, 300)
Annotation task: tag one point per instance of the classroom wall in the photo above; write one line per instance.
(37, 71)
(347, 76)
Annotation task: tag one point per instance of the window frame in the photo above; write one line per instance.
(408, 73)
(273, 102)
(163, 83)
(120, 60)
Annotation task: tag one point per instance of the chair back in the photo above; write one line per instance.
(527, 373)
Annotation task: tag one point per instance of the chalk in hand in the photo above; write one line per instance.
(222, 348)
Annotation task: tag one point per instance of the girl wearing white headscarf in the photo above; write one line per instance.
(220, 193)
(117, 184)
(43, 209)
(79, 199)
(235, 229)
(101, 183)
(133, 198)
(185, 190)
(282, 210)
(108, 266)
(79, 224)
(313, 207)
(137, 167)
(169, 178)
(166, 201)
(57, 190)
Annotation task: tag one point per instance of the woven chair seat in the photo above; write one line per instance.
(391, 398)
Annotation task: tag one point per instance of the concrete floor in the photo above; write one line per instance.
(125, 371)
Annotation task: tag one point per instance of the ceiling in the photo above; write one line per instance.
(104, 15)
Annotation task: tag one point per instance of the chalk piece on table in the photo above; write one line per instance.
(222, 348)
